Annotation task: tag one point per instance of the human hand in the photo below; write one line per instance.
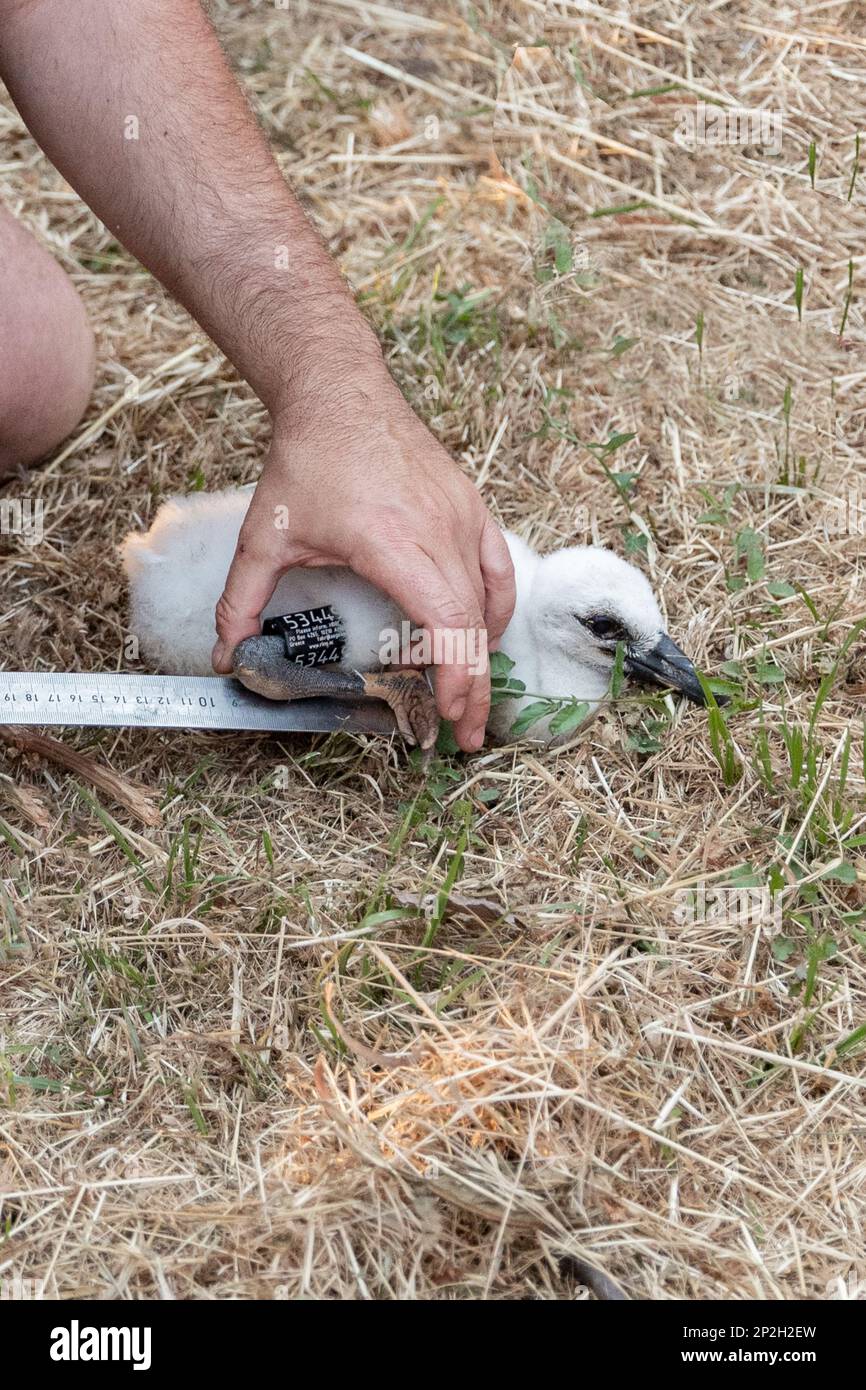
(361, 482)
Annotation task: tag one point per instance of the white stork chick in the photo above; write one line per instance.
(573, 608)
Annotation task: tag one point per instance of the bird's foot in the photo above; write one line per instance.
(409, 695)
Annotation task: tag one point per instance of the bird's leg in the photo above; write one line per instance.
(261, 664)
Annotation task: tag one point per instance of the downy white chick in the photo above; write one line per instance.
(572, 609)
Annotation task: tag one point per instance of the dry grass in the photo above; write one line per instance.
(234, 1061)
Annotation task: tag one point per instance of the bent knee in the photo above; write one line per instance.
(47, 355)
(46, 385)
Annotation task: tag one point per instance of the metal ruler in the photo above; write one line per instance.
(113, 701)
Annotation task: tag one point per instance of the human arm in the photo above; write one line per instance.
(199, 199)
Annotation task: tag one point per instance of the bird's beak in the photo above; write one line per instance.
(666, 665)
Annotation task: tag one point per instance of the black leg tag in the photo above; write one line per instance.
(313, 637)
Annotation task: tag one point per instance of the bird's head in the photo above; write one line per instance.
(586, 600)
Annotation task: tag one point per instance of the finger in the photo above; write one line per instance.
(471, 577)
(470, 726)
(419, 587)
(249, 587)
(498, 572)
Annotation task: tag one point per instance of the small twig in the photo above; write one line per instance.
(595, 1279)
(128, 794)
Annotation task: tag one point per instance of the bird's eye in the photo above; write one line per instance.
(604, 628)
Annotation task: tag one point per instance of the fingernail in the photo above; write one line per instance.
(456, 711)
(218, 655)
(476, 738)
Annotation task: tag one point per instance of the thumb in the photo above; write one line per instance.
(249, 588)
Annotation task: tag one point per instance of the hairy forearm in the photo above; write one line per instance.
(133, 101)
(135, 104)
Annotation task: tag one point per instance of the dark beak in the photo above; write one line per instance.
(666, 665)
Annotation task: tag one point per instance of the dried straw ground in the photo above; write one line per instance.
(236, 1061)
